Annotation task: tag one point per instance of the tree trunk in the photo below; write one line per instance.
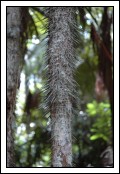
(14, 55)
(105, 63)
(61, 84)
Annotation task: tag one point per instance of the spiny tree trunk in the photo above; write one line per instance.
(14, 54)
(61, 83)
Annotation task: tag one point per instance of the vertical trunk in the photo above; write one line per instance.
(61, 83)
(105, 63)
(13, 73)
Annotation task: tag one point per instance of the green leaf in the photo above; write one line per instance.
(97, 136)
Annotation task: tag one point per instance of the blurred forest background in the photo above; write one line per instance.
(92, 126)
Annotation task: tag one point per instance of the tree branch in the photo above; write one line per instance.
(88, 10)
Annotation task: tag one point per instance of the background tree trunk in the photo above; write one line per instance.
(61, 83)
(105, 65)
(14, 55)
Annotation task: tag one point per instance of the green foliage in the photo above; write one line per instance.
(32, 140)
(101, 128)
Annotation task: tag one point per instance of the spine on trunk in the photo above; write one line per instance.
(61, 85)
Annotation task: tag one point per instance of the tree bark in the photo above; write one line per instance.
(61, 84)
(14, 55)
(104, 63)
